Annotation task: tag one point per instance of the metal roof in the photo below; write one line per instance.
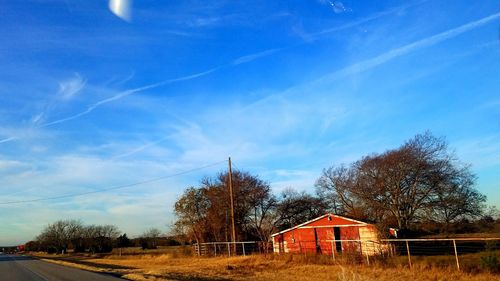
(318, 218)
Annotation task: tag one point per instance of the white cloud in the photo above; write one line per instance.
(37, 118)
(127, 93)
(12, 164)
(28, 133)
(70, 87)
(132, 209)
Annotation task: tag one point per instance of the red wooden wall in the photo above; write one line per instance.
(304, 240)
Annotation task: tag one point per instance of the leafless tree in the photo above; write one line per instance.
(419, 179)
(149, 239)
(297, 207)
(63, 234)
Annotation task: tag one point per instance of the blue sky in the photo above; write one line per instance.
(89, 100)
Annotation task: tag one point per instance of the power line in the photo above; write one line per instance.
(113, 188)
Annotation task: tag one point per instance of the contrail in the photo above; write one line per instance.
(141, 148)
(387, 56)
(249, 58)
(355, 68)
(240, 60)
(398, 52)
(7, 139)
(127, 93)
(358, 67)
(118, 96)
(92, 107)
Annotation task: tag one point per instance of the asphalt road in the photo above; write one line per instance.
(22, 268)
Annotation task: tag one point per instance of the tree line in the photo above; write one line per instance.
(73, 235)
(418, 186)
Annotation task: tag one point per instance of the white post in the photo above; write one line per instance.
(215, 250)
(228, 249)
(243, 245)
(333, 250)
(366, 252)
(456, 254)
(408, 250)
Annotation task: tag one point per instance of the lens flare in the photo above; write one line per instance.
(121, 8)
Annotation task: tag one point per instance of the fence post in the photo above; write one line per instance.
(456, 254)
(333, 250)
(243, 245)
(366, 252)
(408, 250)
(198, 248)
(228, 249)
(215, 249)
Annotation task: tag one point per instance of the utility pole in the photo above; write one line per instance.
(230, 180)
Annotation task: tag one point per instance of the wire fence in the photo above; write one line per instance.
(232, 248)
(451, 252)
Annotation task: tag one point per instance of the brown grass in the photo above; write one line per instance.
(176, 266)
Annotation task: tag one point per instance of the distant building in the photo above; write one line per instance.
(326, 233)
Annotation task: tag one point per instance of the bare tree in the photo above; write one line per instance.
(58, 236)
(262, 215)
(457, 199)
(404, 184)
(149, 239)
(297, 207)
(61, 235)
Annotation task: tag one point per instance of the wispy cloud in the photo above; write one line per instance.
(406, 49)
(7, 139)
(346, 71)
(11, 164)
(126, 93)
(396, 10)
(70, 87)
(141, 148)
(252, 57)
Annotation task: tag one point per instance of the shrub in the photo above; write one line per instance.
(489, 260)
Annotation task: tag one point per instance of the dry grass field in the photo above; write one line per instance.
(174, 264)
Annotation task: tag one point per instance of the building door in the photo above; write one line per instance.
(316, 242)
(281, 244)
(336, 236)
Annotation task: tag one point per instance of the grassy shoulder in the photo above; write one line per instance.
(168, 266)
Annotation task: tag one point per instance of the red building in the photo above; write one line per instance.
(20, 248)
(326, 233)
